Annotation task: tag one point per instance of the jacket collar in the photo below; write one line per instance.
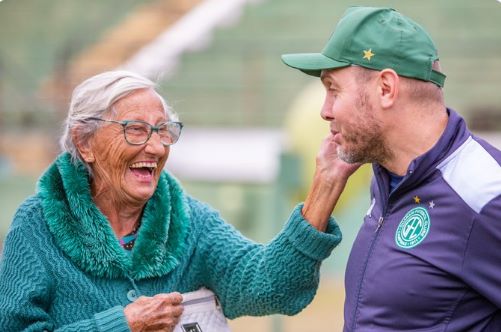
(455, 134)
(84, 234)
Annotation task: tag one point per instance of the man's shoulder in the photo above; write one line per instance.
(494, 151)
(473, 171)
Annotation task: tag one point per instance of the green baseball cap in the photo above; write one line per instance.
(375, 38)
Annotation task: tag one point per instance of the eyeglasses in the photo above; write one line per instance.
(138, 132)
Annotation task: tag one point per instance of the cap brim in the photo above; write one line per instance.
(312, 63)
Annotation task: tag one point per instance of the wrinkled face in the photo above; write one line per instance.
(129, 173)
(353, 123)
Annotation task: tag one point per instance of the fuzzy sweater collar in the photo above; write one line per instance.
(86, 237)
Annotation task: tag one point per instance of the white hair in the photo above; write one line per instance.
(95, 97)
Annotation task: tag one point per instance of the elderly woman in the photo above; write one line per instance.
(110, 239)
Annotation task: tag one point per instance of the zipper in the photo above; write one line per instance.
(376, 235)
(380, 223)
(206, 299)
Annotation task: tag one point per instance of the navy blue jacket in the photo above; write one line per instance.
(428, 256)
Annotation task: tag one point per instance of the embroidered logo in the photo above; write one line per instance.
(191, 327)
(413, 228)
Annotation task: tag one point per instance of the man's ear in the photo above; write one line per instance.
(83, 146)
(388, 87)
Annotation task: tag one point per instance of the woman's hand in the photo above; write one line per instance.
(330, 178)
(329, 167)
(158, 313)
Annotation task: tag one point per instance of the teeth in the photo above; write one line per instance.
(144, 164)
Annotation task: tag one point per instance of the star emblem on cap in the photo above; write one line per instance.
(417, 200)
(368, 54)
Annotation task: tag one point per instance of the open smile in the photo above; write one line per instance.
(143, 170)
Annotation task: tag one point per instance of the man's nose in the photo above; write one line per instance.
(326, 112)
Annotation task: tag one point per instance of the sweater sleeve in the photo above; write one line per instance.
(25, 292)
(481, 269)
(255, 279)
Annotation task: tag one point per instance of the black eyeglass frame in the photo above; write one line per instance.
(156, 129)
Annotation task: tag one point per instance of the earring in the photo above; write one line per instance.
(89, 158)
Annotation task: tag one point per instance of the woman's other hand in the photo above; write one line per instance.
(158, 313)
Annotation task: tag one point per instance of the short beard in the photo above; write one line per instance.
(374, 152)
(367, 140)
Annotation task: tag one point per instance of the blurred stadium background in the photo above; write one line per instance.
(252, 124)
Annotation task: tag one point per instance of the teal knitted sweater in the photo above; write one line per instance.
(62, 267)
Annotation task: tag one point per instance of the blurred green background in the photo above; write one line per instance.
(232, 77)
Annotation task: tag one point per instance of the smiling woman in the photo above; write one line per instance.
(110, 239)
(127, 160)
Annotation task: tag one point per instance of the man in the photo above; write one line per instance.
(427, 256)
